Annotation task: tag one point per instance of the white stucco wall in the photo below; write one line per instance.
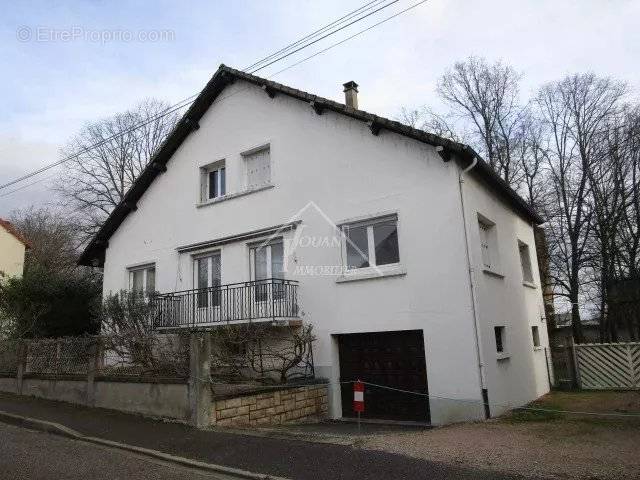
(347, 172)
(506, 300)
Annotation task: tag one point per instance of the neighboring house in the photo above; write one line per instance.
(412, 259)
(12, 250)
(562, 333)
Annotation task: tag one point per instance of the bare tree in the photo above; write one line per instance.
(424, 118)
(106, 157)
(487, 97)
(52, 236)
(574, 111)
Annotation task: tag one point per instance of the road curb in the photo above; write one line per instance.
(58, 429)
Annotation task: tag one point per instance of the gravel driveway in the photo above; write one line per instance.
(556, 446)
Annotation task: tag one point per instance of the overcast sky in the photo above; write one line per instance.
(52, 86)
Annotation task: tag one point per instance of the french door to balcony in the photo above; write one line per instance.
(267, 267)
(207, 281)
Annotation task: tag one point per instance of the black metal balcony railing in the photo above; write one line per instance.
(261, 299)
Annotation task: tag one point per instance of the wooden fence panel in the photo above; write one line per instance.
(608, 366)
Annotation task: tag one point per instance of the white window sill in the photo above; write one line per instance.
(492, 273)
(231, 196)
(369, 273)
(529, 285)
(503, 356)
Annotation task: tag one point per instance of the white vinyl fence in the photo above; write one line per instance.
(608, 366)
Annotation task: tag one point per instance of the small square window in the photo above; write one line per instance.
(372, 243)
(535, 333)
(525, 262)
(499, 333)
(213, 181)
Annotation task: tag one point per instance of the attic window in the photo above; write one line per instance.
(213, 181)
(258, 167)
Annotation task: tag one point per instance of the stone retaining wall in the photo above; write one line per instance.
(286, 405)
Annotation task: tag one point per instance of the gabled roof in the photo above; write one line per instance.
(95, 250)
(6, 224)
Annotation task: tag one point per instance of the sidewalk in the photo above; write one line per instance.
(286, 458)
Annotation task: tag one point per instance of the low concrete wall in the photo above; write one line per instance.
(8, 384)
(72, 391)
(169, 400)
(159, 398)
(271, 407)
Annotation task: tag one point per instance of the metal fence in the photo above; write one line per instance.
(60, 356)
(608, 366)
(124, 355)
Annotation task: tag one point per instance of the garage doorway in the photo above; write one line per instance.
(395, 359)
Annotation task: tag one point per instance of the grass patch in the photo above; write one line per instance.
(550, 408)
(542, 415)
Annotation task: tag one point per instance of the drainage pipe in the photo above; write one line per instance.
(472, 284)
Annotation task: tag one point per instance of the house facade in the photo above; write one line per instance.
(12, 250)
(415, 265)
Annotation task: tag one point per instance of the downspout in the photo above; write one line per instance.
(474, 300)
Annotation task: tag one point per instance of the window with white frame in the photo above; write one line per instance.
(213, 181)
(525, 262)
(258, 168)
(267, 263)
(487, 230)
(535, 334)
(143, 279)
(372, 243)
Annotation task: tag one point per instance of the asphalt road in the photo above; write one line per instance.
(30, 455)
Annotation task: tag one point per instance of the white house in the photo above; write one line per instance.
(414, 262)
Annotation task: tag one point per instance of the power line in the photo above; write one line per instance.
(187, 101)
(344, 18)
(350, 37)
(324, 36)
(168, 111)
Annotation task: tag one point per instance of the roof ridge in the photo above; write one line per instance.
(218, 82)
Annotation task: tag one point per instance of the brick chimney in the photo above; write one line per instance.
(351, 94)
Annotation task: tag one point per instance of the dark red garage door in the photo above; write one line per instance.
(395, 359)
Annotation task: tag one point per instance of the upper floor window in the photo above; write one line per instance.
(525, 262)
(372, 243)
(213, 181)
(258, 168)
(143, 279)
(488, 239)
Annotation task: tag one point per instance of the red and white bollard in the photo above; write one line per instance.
(358, 399)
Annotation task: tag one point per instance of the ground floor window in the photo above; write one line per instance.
(142, 279)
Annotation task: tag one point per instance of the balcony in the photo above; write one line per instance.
(273, 299)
